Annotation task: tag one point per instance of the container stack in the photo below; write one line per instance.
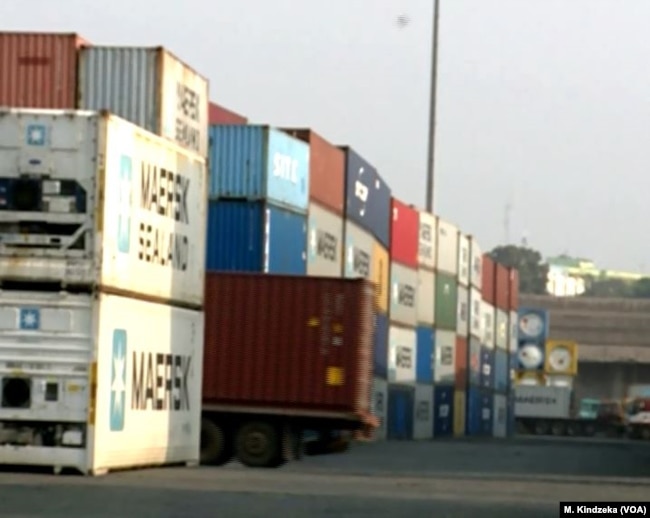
(533, 324)
(513, 304)
(501, 367)
(462, 330)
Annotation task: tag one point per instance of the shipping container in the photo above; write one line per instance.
(501, 287)
(543, 402)
(402, 351)
(533, 324)
(513, 363)
(638, 390)
(425, 358)
(423, 412)
(513, 334)
(474, 361)
(460, 412)
(404, 234)
(479, 412)
(403, 295)
(250, 236)
(513, 289)
(39, 70)
(444, 370)
(379, 275)
(401, 400)
(324, 242)
(476, 264)
(367, 197)
(79, 201)
(359, 248)
(501, 371)
(379, 406)
(443, 411)
(487, 279)
(310, 349)
(475, 313)
(149, 87)
(427, 242)
(218, 114)
(326, 170)
(487, 367)
(380, 349)
(462, 319)
(426, 302)
(259, 163)
(501, 330)
(464, 260)
(447, 248)
(77, 359)
(446, 302)
(500, 416)
(489, 324)
(462, 362)
(511, 420)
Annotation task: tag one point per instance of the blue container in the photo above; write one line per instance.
(532, 353)
(367, 197)
(533, 324)
(512, 368)
(512, 425)
(478, 422)
(399, 419)
(443, 411)
(501, 370)
(487, 368)
(255, 237)
(424, 358)
(380, 349)
(259, 163)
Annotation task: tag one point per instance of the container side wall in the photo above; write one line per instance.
(380, 272)
(324, 242)
(423, 413)
(401, 400)
(427, 240)
(462, 319)
(445, 353)
(446, 302)
(359, 248)
(380, 349)
(447, 248)
(461, 362)
(380, 406)
(404, 240)
(425, 355)
(443, 415)
(426, 303)
(487, 279)
(403, 295)
(464, 260)
(402, 350)
(287, 171)
(476, 264)
(218, 114)
(460, 412)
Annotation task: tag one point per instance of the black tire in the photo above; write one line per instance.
(574, 429)
(645, 433)
(541, 428)
(558, 429)
(589, 429)
(216, 444)
(259, 445)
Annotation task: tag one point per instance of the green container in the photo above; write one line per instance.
(446, 301)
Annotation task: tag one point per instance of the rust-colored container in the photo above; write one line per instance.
(39, 70)
(501, 286)
(218, 114)
(326, 169)
(487, 279)
(513, 290)
(462, 360)
(298, 343)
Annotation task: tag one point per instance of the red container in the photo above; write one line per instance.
(326, 170)
(461, 362)
(293, 342)
(404, 234)
(39, 70)
(217, 114)
(501, 286)
(513, 290)
(487, 279)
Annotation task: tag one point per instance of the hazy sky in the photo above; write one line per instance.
(542, 103)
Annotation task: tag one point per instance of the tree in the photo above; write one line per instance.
(603, 287)
(533, 272)
(641, 288)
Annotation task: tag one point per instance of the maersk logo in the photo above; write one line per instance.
(29, 319)
(118, 380)
(124, 205)
(36, 135)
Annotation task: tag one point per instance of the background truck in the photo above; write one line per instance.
(283, 354)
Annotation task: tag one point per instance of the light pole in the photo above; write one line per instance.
(432, 108)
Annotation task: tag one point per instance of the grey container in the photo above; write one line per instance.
(423, 412)
(403, 295)
(357, 260)
(426, 309)
(462, 321)
(324, 242)
(379, 405)
(500, 416)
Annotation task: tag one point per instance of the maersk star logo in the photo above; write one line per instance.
(118, 380)
(313, 242)
(124, 205)
(36, 135)
(30, 319)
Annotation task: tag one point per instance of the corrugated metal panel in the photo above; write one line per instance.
(487, 368)
(461, 361)
(403, 295)
(476, 264)
(487, 279)
(501, 370)
(150, 87)
(380, 356)
(462, 320)
(479, 412)
(402, 350)
(424, 357)
(259, 162)
(427, 241)
(380, 406)
(446, 301)
(218, 114)
(380, 272)
(367, 197)
(255, 237)
(501, 286)
(475, 313)
(513, 335)
(444, 370)
(464, 259)
(325, 242)
(513, 289)
(447, 248)
(401, 399)
(287, 355)
(474, 363)
(423, 412)
(488, 325)
(549, 402)
(460, 411)
(426, 303)
(404, 234)
(359, 247)
(443, 411)
(500, 416)
(501, 331)
(326, 170)
(39, 70)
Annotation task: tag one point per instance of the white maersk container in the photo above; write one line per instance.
(447, 248)
(464, 260)
(98, 382)
(90, 199)
(543, 402)
(476, 264)
(402, 344)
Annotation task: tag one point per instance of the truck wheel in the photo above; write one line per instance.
(558, 429)
(541, 428)
(259, 445)
(216, 445)
(645, 433)
(590, 430)
(574, 430)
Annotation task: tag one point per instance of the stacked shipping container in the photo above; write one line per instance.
(501, 360)
(513, 307)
